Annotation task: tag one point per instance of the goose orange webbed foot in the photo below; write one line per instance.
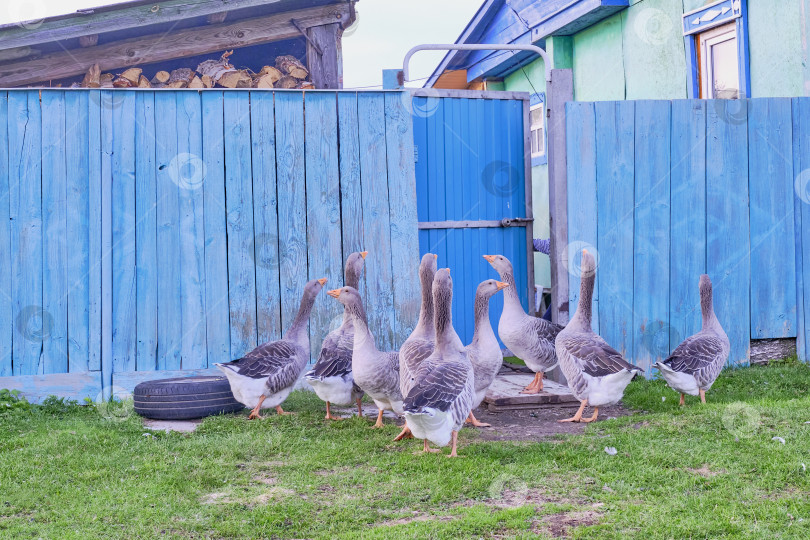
(453, 448)
(254, 415)
(282, 412)
(329, 415)
(379, 423)
(404, 434)
(426, 449)
(578, 416)
(472, 420)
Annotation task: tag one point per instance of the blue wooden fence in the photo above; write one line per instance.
(167, 230)
(665, 191)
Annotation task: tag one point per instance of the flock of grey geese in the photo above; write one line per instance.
(434, 381)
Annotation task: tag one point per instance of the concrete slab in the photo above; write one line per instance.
(183, 426)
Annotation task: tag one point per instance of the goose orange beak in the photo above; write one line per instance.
(322, 281)
(334, 293)
(363, 254)
(489, 258)
(584, 251)
(435, 256)
(502, 285)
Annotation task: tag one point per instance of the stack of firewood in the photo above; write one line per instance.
(288, 72)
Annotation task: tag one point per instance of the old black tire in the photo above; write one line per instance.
(185, 398)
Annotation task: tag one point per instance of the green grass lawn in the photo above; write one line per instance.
(699, 472)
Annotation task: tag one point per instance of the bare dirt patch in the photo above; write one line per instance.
(705, 472)
(559, 525)
(536, 424)
(417, 516)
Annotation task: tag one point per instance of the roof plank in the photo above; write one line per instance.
(114, 18)
(167, 46)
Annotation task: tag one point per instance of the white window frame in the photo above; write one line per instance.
(709, 39)
(541, 127)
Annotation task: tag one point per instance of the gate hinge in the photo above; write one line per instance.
(415, 154)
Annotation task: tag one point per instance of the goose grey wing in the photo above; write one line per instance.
(545, 329)
(276, 357)
(695, 354)
(334, 360)
(437, 386)
(594, 356)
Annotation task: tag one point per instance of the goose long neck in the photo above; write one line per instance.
(707, 309)
(483, 328)
(583, 316)
(510, 293)
(351, 279)
(444, 321)
(362, 335)
(426, 311)
(299, 327)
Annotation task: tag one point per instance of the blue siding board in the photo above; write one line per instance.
(169, 277)
(651, 233)
(615, 181)
(191, 171)
(728, 255)
(146, 255)
(265, 216)
(6, 300)
(379, 302)
(77, 230)
(770, 157)
(582, 193)
(292, 211)
(687, 218)
(323, 209)
(239, 197)
(54, 253)
(25, 213)
(123, 232)
(218, 335)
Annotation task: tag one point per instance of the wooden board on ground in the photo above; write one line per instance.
(504, 394)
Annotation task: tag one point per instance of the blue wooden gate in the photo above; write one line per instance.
(473, 197)
(148, 231)
(665, 191)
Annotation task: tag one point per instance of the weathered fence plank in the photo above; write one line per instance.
(77, 230)
(687, 218)
(379, 302)
(168, 315)
(801, 187)
(651, 233)
(265, 217)
(727, 224)
(218, 333)
(239, 199)
(94, 224)
(770, 135)
(323, 210)
(615, 155)
(146, 254)
(402, 200)
(292, 205)
(351, 198)
(25, 214)
(191, 175)
(6, 300)
(582, 202)
(54, 249)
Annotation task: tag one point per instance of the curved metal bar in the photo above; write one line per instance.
(477, 47)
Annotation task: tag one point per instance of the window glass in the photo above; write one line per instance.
(725, 72)
(537, 126)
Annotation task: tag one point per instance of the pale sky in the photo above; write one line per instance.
(384, 32)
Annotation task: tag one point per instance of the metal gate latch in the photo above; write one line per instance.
(515, 222)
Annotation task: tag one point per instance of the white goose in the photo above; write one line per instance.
(265, 376)
(375, 372)
(484, 352)
(331, 376)
(419, 344)
(597, 374)
(443, 393)
(529, 338)
(695, 364)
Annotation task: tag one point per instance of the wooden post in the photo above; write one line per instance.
(560, 91)
(326, 70)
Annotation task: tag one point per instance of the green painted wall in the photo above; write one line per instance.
(777, 53)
